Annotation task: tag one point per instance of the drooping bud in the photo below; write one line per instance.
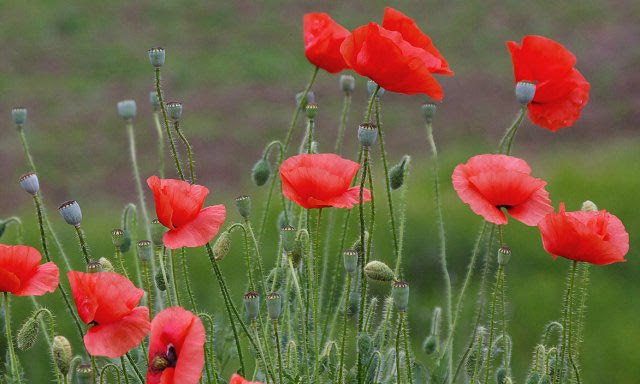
(252, 305)
(350, 260)
(105, 265)
(347, 84)
(261, 172)
(367, 134)
(28, 333)
(29, 182)
(243, 204)
(127, 109)
(501, 375)
(84, 374)
(19, 115)
(160, 283)
(156, 57)
(312, 110)
(62, 354)
(274, 305)
(94, 266)
(154, 100)
(174, 110)
(157, 232)
(430, 344)
(71, 212)
(504, 255)
(222, 246)
(288, 237)
(310, 99)
(145, 250)
(397, 172)
(379, 272)
(429, 111)
(525, 91)
(400, 294)
(589, 205)
(372, 86)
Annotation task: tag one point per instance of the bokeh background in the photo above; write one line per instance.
(236, 66)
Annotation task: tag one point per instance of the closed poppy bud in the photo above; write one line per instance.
(350, 260)
(261, 172)
(105, 265)
(84, 374)
(312, 110)
(28, 333)
(274, 305)
(222, 246)
(156, 57)
(94, 266)
(400, 294)
(29, 182)
(127, 109)
(243, 204)
(347, 84)
(145, 250)
(534, 378)
(174, 110)
(504, 255)
(157, 232)
(396, 174)
(288, 237)
(160, 282)
(379, 272)
(525, 91)
(310, 99)
(589, 206)
(62, 354)
(501, 375)
(372, 86)
(429, 111)
(252, 305)
(71, 212)
(367, 134)
(154, 100)
(430, 344)
(19, 115)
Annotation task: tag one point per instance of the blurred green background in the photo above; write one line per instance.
(236, 66)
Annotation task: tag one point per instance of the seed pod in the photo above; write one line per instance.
(400, 294)
(274, 305)
(311, 110)
(127, 109)
(145, 250)
(525, 92)
(310, 99)
(94, 266)
(19, 115)
(429, 111)
(29, 183)
(377, 271)
(154, 100)
(157, 232)
(367, 134)
(28, 333)
(84, 374)
(288, 237)
(504, 255)
(62, 354)
(71, 212)
(261, 172)
(397, 172)
(371, 87)
(222, 246)
(105, 265)
(252, 305)
(174, 110)
(157, 57)
(350, 260)
(347, 84)
(243, 204)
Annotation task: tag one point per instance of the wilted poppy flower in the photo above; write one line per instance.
(176, 348)
(596, 237)
(179, 208)
(322, 40)
(321, 180)
(237, 379)
(107, 301)
(21, 272)
(398, 56)
(488, 183)
(561, 90)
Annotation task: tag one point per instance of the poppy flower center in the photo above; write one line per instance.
(162, 361)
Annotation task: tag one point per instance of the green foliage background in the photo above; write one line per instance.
(236, 66)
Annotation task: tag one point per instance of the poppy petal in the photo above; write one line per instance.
(322, 40)
(351, 198)
(9, 282)
(534, 209)
(44, 280)
(177, 201)
(199, 231)
(117, 338)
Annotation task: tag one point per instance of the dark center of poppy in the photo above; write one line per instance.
(162, 361)
(172, 356)
(504, 206)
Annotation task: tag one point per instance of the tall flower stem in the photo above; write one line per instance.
(147, 283)
(361, 256)
(163, 270)
(174, 152)
(185, 276)
(267, 206)
(398, 370)
(509, 135)
(174, 277)
(407, 350)
(249, 230)
(124, 370)
(345, 316)
(83, 243)
(494, 296)
(185, 142)
(120, 260)
(135, 368)
(158, 125)
(567, 318)
(278, 348)
(12, 352)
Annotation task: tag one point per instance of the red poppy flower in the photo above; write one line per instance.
(561, 90)
(594, 237)
(488, 183)
(107, 301)
(398, 56)
(21, 272)
(176, 348)
(321, 180)
(179, 208)
(237, 379)
(322, 40)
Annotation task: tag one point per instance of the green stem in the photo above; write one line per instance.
(261, 353)
(25, 147)
(174, 277)
(249, 230)
(135, 368)
(566, 330)
(362, 251)
(507, 139)
(398, 370)
(83, 243)
(185, 276)
(304, 321)
(492, 322)
(124, 370)
(174, 152)
(147, 282)
(163, 270)
(278, 347)
(407, 350)
(103, 372)
(347, 289)
(120, 259)
(12, 352)
(158, 125)
(183, 138)
(346, 105)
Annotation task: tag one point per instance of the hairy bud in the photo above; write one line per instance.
(261, 172)
(397, 172)
(28, 333)
(430, 344)
(379, 272)
(105, 265)
(243, 204)
(222, 246)
(160, 283)
(589, 205)
(62, 354)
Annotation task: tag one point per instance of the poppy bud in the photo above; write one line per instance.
(127, 109)
(62, 354)
(589, 205)
(94, 266)
(157, 232)
(19, 115)
(145, 250)
(156, 57)
(356, 244)
(252, 305)
(350, 260)
(28, 333)
(160, 282)
(501, 375)
(379, 272)
(174, 110)
(310, 99)
(396, 174)
(274, 305)
(29, 182)
(400, 294)
(312, 110)
(71, 212)
(525, 91)
(261, 172)
(288, 237)
(84, 374)
(222, 246)
(534, 378)
(154, 100)
(243, 204)
(430, 344)
(347, 84)
(428, 111)
(504, 255)
(371, 87)
(105, 265)
(367, 134)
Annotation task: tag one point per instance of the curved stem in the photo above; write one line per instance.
(135, 368)
(12, 352)
(507, 139)
(103, 372)
(174, 152)
(124, 370)
(183, 138)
